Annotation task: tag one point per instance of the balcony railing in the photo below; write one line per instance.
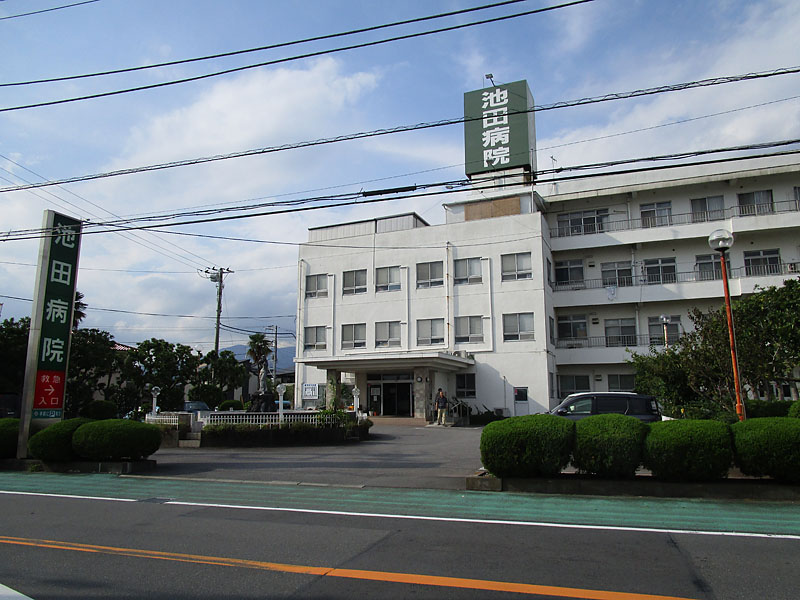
(758, 270)
(615, 341)
(607, 225)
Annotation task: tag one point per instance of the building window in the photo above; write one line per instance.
(520, 394)
(796, 199)
(617, 273)
(316, 286)
(467, 270)
(430, 332)
(469, 329)
(465, 385)
(354, 335)
(572, 384)
(656, 214)
(314, 338)
(707, 267)
(655, 329)
(582, 222)
(551, 384)
(660, 270)
(762, 262)
(620, 332)
(387, 333)
(518, 326)
(756, 203)
(430, 274)
(549, 273)
(711, 208)
(516, 266)
(354, 282)
(387, 279)
(569, 273)
(552, 329)
(621, 382)
(572, 326)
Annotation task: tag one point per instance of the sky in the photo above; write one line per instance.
(587, 50)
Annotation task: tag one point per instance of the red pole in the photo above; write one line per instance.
(737, 385)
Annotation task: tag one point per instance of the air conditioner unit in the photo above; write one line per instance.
(459, 353)
(793, 267)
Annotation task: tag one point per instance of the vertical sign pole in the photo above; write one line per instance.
(51, 326)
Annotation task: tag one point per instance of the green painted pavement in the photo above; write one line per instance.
(778, 518)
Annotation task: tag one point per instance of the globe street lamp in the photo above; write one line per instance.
(155, 391)
(720, 240)
(665, 320)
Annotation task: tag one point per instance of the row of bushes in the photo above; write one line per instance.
(285, 435)
(616, 445)
(84, 439)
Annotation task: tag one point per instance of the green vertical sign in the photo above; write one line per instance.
(51, 324)
(499, 130)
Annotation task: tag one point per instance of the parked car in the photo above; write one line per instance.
(195, 407)
(584, 404)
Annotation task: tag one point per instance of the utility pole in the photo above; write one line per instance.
(217, 276)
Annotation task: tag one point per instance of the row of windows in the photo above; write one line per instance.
(572, 384)
(659, 214)
(429, 274)
(516, 327)
(620, 332)
(664, 270)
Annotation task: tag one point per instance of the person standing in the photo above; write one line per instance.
(441, 406)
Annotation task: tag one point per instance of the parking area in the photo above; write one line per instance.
(400, 453)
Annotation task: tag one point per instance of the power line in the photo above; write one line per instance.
(404, 128)
(290, 59)
(262, 48)
(38, 12)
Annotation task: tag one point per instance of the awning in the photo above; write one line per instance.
(390, 361)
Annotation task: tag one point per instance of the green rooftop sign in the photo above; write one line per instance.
(499, 130)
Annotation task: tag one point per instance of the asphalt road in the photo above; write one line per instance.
(222, 526)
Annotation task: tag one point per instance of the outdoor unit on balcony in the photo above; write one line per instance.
(793, 267)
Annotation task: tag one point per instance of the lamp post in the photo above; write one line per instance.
(665, 320)
(720, 240)
(155, 391)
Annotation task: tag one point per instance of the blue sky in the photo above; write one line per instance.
(587, 50)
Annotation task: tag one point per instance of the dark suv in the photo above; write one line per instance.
(585, 404)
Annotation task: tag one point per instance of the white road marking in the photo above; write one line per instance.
(6, 593)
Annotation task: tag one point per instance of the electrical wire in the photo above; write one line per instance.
(404, 128)
(318, 38)
(292, 58)
(44, 10)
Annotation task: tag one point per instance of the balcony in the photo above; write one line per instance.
(612, 349)
(612, 225)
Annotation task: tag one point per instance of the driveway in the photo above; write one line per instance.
(400, 454)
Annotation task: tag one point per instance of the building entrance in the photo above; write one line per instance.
(390, 395)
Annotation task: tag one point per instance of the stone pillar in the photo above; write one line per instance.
(332, 379)
(422, 392)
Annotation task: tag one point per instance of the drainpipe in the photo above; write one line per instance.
(448, 296)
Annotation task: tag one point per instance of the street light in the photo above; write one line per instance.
(155, 390)
(720, 240)
(665, 320)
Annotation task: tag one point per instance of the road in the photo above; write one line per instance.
(102, 536)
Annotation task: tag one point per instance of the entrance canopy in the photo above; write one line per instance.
(384, 361)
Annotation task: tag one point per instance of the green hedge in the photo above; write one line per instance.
(609, 445)
(55, 442)
(116, 439)
(758, 409)
(768, 446)
(528, 446)
(254, 436)
(9, 434)
(231, 405)
(794, 410)
(99, 409)
(688, 450)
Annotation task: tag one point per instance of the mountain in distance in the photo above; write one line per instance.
(285, 355)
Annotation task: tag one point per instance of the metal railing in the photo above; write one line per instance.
(268, 419)
(616, 341)
(163, 419)
(607, 225)
(790, 268)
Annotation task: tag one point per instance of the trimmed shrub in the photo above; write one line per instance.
(609, 445)
(758, 409)
(529, 446)
(116, 439)
(99, 409)
(255, 436)
(686, 450)
(768, 446)
(794, 410)
(9, 434)
(54, 444)
(231, 405)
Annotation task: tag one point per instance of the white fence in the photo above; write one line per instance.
(240, 417)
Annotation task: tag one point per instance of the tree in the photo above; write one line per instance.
(156, 362)
(259, 350)
(78, 310)
(92, 360)
(13, 353)
(216, 376)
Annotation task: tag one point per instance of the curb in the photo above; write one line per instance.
(116, 467)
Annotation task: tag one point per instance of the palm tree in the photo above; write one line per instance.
(78, 310)
(258, 350)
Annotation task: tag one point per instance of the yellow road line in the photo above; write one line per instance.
(385, 576)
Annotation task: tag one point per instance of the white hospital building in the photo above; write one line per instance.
(529, 292)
